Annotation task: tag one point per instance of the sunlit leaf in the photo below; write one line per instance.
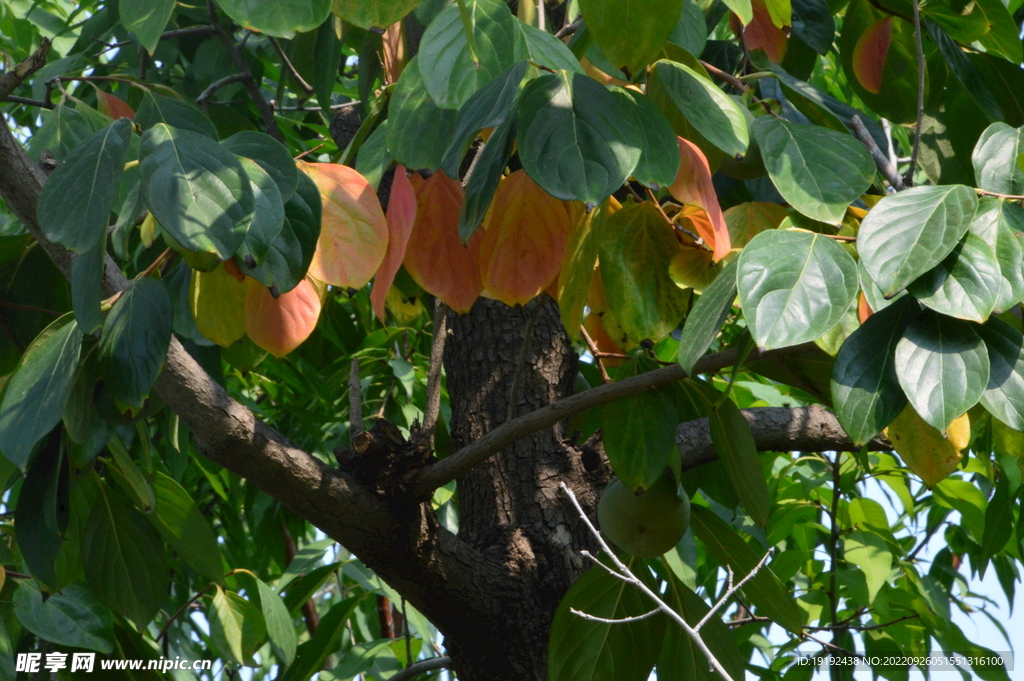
(924, 449)
(693, 186)
(280, 19)
(401, 216)
(279, 325)
(631, 34)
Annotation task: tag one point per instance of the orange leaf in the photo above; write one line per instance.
(353, 231)
(693, 186)
(869, 54)
(109, 105)
(524, 239)
(435, 256)
(762, 33)
(863, 308)
(279, 325)
(400, 217)
(393, 42)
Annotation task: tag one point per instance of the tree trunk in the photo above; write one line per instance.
(502, 362)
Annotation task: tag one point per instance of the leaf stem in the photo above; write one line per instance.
(467, 25)
(909, 176)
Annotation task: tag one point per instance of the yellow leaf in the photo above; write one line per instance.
(217, 300)
(924, 449)
(693, 268)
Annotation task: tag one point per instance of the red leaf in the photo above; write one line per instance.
(279, 325)
(869, 54)
(524, 240)
(762, 33)
(109, 105)
(400, 218)
(693, 186)
(353, 231)
(435, 256)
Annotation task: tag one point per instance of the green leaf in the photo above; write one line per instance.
(908, 233)
(710, 111)
(75, 203)
(690, 32)
(659, 157)
(578, 268)
(742, 8)
(865, 391)
(35, 395)
(280, 628)
(964, 285)
(327, 57)
(732, 439)
(301, 589)
(71, 617)
(198, 190)
(640, 433)
(488, 107)
(87, 286)
(278, 18)
(42, 514)
(706, 318)
(124, 560)
(490, 165)
(373, 13)
(180, 523)
(1002, 37)
(871, 554)
(576, 139)
(966, 72)
(267, 217)
(446, 56)
(270, 154)
(584, 650)
(62, 131)
(681, 659)
(290, 254)
(547, 50)
(998, 520)
(999, 222)
(128, 476)
(764, 589)
(631, 34)
(819, 171)
(794, 286)
(636, 246)
(236, 627)
(136, 334)
(374, 159)
(146, 19)
(942, 366)
(419, 132)
(175, 113)
(313, 653)
(994, 159)
(361, 657)
(1004, 393)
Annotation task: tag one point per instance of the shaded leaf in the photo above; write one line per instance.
(280, 19)
(869, 54)
(270, 155)
(578, 264)
(732, 439)
(280, 628)
(312, 654)
(69, 618)
(175, 113)
(636, 247)
(75, 203)
(35, 395)
(576, 140)
(943, 367)
(373, 13)
(146, 19)
(41, 515)
(631, 34)
(401, 216)
(1004, 393)
(267, 217)
(136, 335)
(706, 318)
(236, 627)
(419, 132)
(490, 166)
(659, 164)
(182, 525)
(291, 253)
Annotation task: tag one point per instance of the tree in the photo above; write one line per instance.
(217, 361)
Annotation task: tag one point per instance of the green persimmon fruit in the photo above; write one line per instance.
(645, 525)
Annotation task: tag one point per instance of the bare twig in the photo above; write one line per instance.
(175, 616)
(292, 71)
(733, 589)
(886, 168)
(28, 102)
(253, 88)
(415, 670)
(433, 405)
(909, 177)
(196, 31)
(569, 29)
(16, 76)
(598, 355)
(218, 84)
(866, 628)
(747, 620)
(355, 400)
(624, 573)
(30, 308)
(981, 192)
(604, 620)
(833, 551)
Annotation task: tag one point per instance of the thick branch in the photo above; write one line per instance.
(425, 480)
(775, 429)
(884, 165)
(16, 76)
